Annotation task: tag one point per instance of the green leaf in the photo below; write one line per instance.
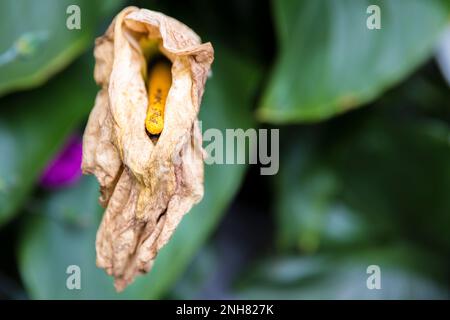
(330, 62)
(397, 171)
(405, 273)
(308, 211)
(35, 45)
(364, 178)
(32, 127)
(48, 246)
(60, 233)
(198, 274)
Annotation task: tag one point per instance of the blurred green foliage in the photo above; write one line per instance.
(366, 187)
(377, 176)
(33, 125)
(328, 276)
(329, 61)
(35, 33)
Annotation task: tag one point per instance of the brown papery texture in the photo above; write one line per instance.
(146, 186)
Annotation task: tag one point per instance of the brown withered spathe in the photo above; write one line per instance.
(146, 185)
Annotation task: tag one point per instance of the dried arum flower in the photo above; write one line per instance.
(143, 142)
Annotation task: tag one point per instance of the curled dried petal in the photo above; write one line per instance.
(146, 186)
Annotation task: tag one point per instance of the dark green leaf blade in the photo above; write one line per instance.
(61, 233)
(35, 45)
(330, 62)
(364, 178)
(405, 273)
(32, 127)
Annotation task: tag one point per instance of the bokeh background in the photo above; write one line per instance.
(364, 158)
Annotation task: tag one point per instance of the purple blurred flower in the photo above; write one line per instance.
(65, 168)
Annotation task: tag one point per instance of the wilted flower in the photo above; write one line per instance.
(142, 140)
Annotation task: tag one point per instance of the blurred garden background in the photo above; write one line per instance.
(364, 158)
